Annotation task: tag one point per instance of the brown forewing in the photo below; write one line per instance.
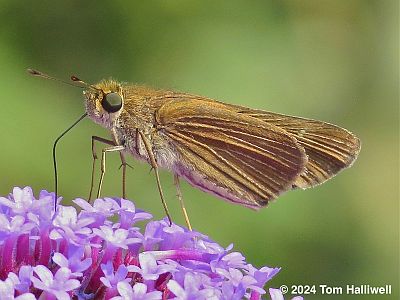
(329, 148)
(250, 160)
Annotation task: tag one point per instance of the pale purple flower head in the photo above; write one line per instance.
(99, 253)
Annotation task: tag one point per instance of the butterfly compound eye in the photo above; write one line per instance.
(112, 102)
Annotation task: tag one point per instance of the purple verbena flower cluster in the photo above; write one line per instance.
(99, 253)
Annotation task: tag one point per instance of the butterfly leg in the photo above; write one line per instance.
(103, 164)
(124, 164)
(179, 195)
(155, 167)
(101, 140)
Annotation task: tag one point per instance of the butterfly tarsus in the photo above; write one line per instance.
(155, 167)
(179, 195)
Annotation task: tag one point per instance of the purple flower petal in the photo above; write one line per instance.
(110, 278)
(60, 260)
(137, 292)
(26, 296)
(24, 276)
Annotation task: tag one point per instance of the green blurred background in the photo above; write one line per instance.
(335, 61)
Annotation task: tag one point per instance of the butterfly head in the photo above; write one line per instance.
(104, 102)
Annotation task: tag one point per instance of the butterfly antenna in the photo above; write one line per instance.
(37, 73)
(78, 80)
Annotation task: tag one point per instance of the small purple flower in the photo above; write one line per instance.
(118, 237)
(261, 275)
(20, 201)
(149, 269)
(110, 278)
(24, 279)
(68, 224)
(193, 288)
(100, 211)
(99, 253)
(73, 262)
(8, 287)
(276, 294)
(137, 292)
(57, 285)
(15, 225)
(128, 214)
